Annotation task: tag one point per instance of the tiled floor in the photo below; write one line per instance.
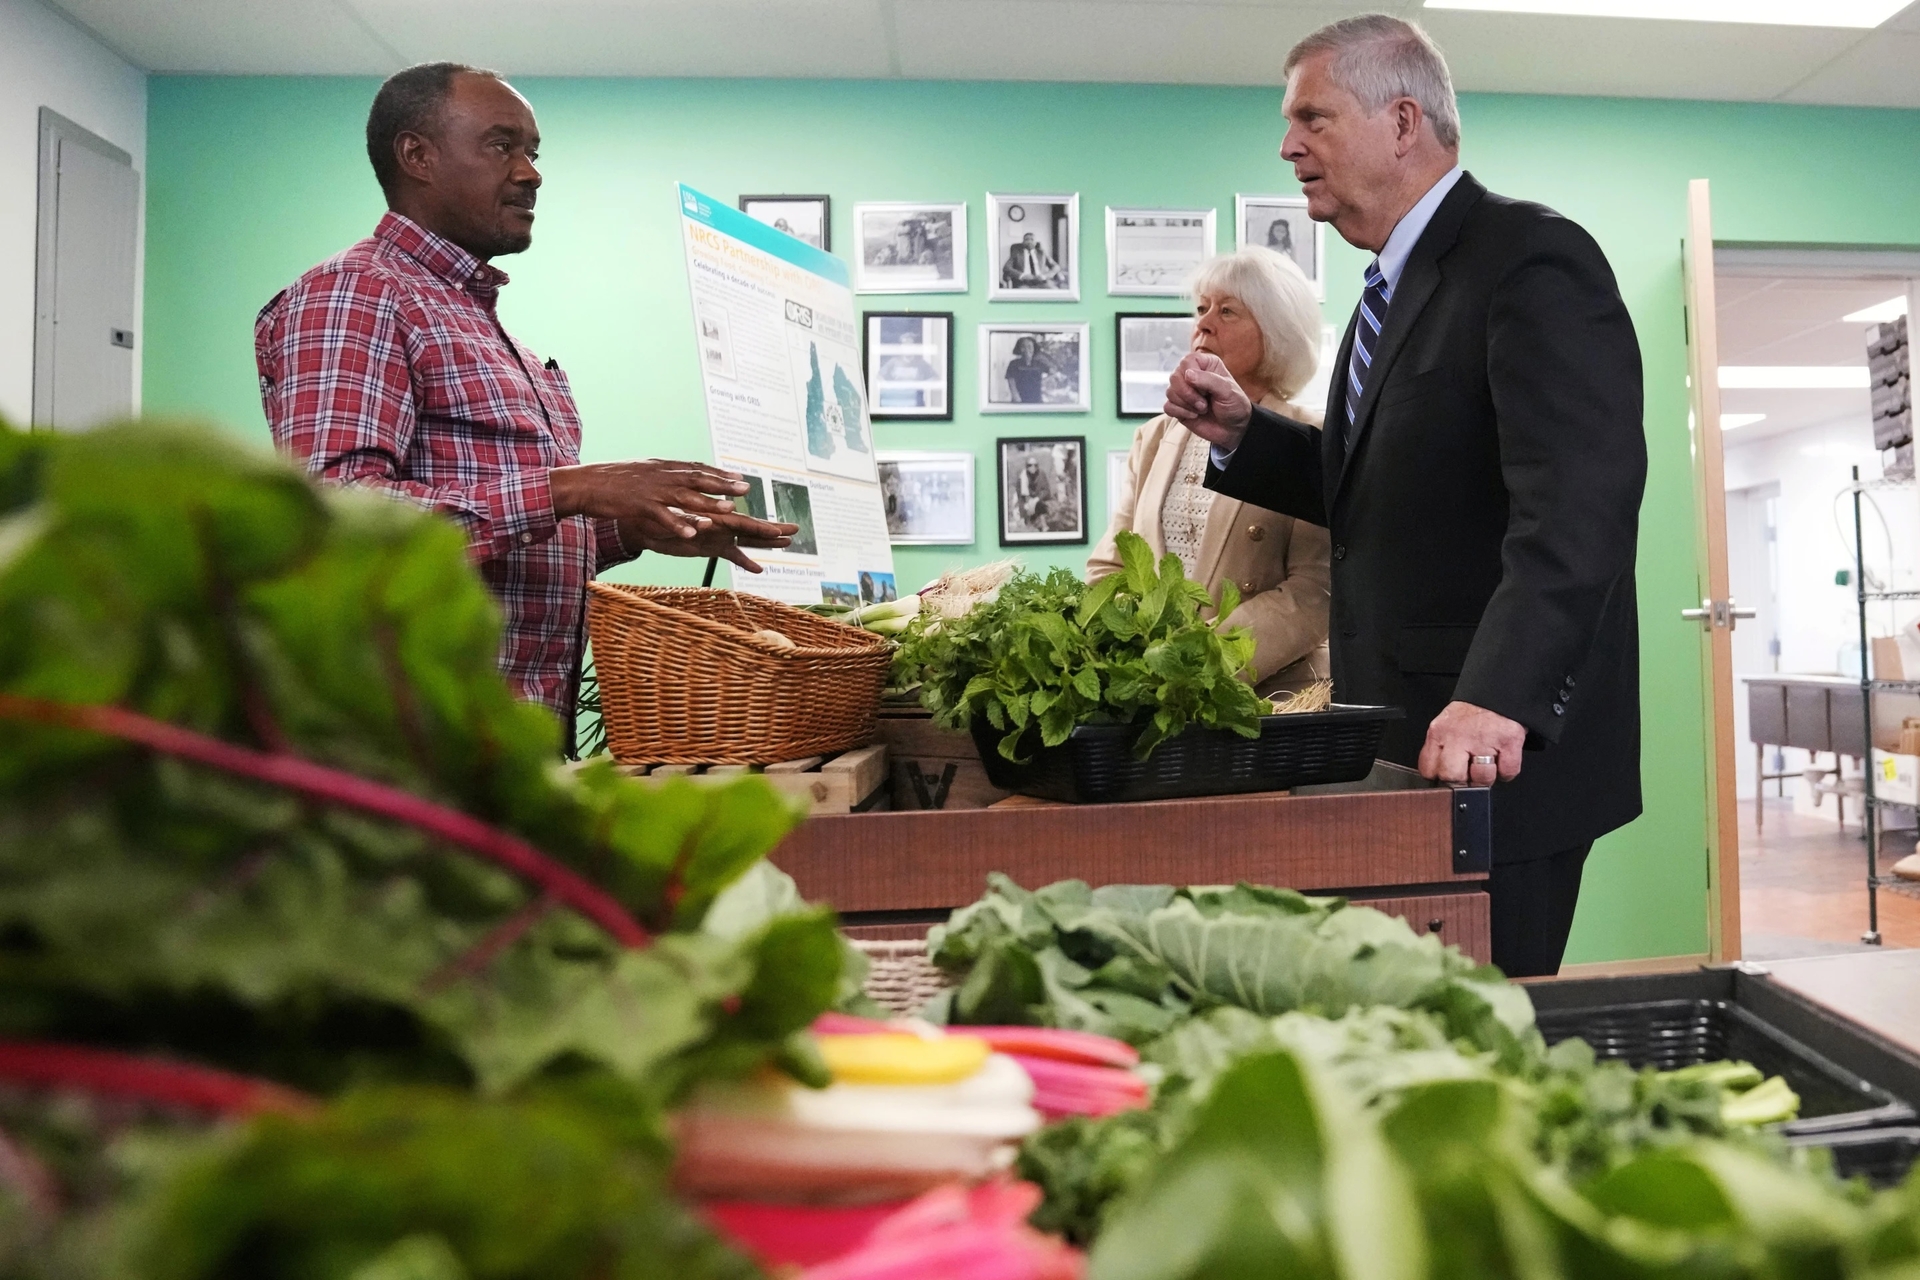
(1802, 885)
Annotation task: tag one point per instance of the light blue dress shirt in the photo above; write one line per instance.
(1393, 255)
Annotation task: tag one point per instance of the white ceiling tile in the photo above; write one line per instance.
(237, 37)
(842, 38)
(1882, 70)
(1771, 320)
(1176, 43)
(1529, 53)
(1908, 19)
(1146, 41)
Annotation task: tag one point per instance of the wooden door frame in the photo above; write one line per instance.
(1702, 261)
(1716, 640)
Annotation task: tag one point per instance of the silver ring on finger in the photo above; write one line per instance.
(1489, 760)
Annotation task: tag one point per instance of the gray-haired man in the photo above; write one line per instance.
(1480, 471)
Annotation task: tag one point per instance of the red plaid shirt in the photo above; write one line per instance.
(387, 367)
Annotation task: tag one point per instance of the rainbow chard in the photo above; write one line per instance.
(264, 800)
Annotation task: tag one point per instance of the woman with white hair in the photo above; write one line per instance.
(1255, 310)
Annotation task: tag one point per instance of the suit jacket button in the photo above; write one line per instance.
(1256, 532)
(1559, 708)
(1340, 552)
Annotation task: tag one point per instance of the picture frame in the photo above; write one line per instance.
(1155, 252)
(929, 497)
(1033, 248)
(1042, 490)
(1146, 347)
(1036, 367)
(1281, 223)
(805, 218)
(909, 362)
(909, 247)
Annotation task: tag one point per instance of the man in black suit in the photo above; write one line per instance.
(1480, 471)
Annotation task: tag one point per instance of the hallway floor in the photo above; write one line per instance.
(1802, 889)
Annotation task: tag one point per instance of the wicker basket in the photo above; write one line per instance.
(683, 679)
(900, 977)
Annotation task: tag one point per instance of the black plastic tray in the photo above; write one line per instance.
(1882, 1156)
(1848, 1078)
(1669, 1034)
(1096, 765)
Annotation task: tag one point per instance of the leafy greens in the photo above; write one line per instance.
(177, 580)
(1050, 653)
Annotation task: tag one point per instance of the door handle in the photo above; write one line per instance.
(1718, 613)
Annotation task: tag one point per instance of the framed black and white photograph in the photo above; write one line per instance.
(1154, 252)
(1281, 223)
(1033, 248)
(1035, 368)
(929, 498)
(909, 365)
(910, 248)
(1043, 491)
(808, 218)
(1148, 346)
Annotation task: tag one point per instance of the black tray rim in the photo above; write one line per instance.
(1338, 713)
(1888, 1109)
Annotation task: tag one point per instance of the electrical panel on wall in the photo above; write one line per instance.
(1890, 382)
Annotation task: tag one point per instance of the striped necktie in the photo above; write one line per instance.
(1366, 339)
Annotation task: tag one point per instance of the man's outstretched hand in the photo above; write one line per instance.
(653, 500)
(1203, 395)
(718, 535)
(1462, 731)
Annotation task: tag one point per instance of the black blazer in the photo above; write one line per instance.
(1484, 522)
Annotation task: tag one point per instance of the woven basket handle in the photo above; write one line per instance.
(746, 619)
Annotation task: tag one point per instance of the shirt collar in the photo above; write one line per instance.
(439, 255)
(1393, 255)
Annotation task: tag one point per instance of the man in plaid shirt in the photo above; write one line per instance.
(387, 367)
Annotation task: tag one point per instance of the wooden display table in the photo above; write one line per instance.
(1417, 851)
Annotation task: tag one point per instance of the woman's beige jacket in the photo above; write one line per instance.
(1279, 564)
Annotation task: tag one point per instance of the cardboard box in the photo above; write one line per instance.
(1886, 659)
(1896, 777)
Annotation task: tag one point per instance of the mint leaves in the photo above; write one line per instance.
(1051, 653)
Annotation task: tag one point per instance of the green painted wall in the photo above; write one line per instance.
(250, 181)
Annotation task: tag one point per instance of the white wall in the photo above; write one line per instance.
(47, 61)
(1817, 618)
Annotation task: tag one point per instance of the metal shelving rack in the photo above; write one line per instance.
(1868, 687)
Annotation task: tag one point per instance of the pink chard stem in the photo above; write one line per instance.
(335, 786)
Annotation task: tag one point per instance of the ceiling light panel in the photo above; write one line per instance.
(1785, 13)
(1879, 313)
(1793, 377)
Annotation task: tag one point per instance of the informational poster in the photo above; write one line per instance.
(779, 345)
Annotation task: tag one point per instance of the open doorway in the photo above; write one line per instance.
(1796, 424)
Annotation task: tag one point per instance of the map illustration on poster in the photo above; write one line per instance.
(778, 343)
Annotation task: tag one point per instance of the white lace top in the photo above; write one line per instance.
(1183, 517)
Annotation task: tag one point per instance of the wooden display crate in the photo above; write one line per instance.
(931, 767)
(848, 782)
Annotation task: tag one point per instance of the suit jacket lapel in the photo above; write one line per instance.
(1417, 283)
(1333, 440)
